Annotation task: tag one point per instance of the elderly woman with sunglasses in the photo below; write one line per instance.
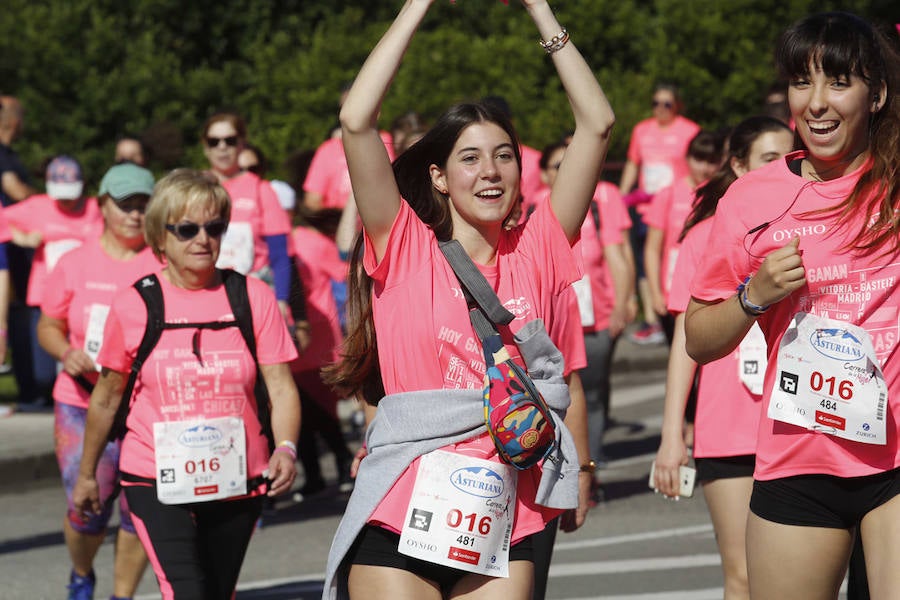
(195, 460)
(256, 242)
(656, 158)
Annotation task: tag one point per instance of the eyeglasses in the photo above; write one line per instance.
(663, 103)
(213, 142)
(134, 203)
(188, 231)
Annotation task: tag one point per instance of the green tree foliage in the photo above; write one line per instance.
(89, 71)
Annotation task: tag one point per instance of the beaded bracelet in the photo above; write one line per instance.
(751, 310)
(556, 43)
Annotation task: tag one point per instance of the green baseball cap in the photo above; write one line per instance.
(125, 180)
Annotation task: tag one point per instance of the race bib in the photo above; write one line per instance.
(828, 379)
(53, 251)
(237, 251)
(199, 461)
(93, 334)
(461, 513)
(671, 261)
(656, 176)
(585, 300)
(752, 360)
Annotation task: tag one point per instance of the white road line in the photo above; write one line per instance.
(638, 394)
(635, 537)
(633, 565)
(704, 594)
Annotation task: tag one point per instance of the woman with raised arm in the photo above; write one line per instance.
(807, 247)
(459, 182)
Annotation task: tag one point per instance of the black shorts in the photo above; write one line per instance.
(725, 467)
(377, 546)
(823, 500)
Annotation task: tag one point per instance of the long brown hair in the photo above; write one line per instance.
(739, 144)
(843, 44)
(357, 373)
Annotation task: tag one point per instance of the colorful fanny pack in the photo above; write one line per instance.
(516, 415)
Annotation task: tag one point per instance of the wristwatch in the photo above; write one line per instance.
(588, 467)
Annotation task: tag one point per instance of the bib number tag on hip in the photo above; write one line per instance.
(93, 335)
(828, 379)
(461, 513)
(199, 461)
(585, 299)
(238, 251)
(752, 360)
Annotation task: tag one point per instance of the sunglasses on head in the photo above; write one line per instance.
(138, 202)
(188, 231)
(663, 103)
(213, 142)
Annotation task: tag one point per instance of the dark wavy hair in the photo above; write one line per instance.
(357, 373)
(842, 44)
(739, 143)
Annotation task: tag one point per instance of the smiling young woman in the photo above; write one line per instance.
(827, 466)
(460, 181)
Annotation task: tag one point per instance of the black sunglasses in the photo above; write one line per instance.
(188, 231)
(137, 202)
(231, 140)
(664, 104)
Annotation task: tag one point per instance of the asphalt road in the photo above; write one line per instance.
(634, 546)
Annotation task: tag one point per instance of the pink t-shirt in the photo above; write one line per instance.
(727, 412)
(531, 186)
(841, 285)
(328, 174)
(426, 340)
(595, 238)
(61, 232)
(174, 384)
(84, 283)
(255, 214)
(660, 151)
(667, 212)
(5, 233)
(313, 248)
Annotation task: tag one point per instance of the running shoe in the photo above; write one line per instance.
(81, 588)
(648, 334)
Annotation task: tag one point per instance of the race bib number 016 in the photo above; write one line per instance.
(828, 379)
(199, 461)
(461, 513)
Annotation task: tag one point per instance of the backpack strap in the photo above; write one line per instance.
(151, 293)
(236, 290)
(487, 311)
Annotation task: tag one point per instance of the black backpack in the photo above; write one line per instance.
(236, 289)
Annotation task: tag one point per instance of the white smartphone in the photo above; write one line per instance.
(686, 477)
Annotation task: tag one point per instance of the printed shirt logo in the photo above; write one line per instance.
(520, 307)
(199, 436)
(477, 481)
(838, 344)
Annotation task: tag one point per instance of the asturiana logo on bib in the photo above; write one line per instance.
(477, 481)
(838, 344)
(199, 436)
